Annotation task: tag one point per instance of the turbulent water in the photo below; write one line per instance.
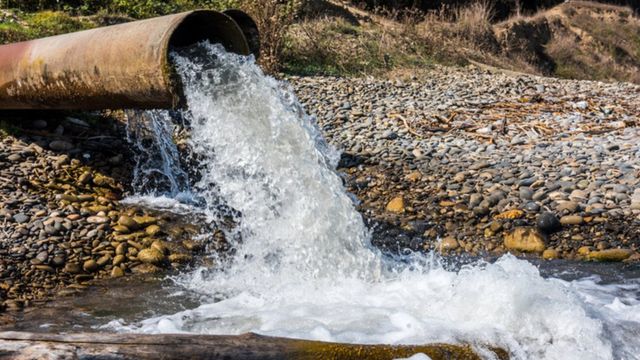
(304, 266)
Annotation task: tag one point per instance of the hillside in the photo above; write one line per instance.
(576, 40)
(580, 40)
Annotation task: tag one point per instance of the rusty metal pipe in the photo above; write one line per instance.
(114, 67)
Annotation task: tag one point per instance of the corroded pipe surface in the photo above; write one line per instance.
(120, 66)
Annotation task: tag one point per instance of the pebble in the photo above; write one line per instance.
(396, 205)
(90, 266)
(60, 145)
(571, 220)
(21, 218)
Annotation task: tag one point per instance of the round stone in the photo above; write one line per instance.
(150, 256)
(90, 265)
(548, 223)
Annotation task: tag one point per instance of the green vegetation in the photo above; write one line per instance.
(46, 23)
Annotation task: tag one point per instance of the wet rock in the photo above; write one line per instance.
(119, 259)
(180, 258)
(448, 243)
(117, 272)
(146, 269)
(525, 240)
(60, 145)
(151, 256)
(104, 260)
(121, 229)
(144, 221)
(127, 222)
(548, 223)
(584, 251)
(90, 265)
(550, 254)
(153, 230)
(610, 255)
(85, 178)
(72, 268)
(396, 205)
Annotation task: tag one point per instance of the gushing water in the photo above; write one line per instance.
(304, 267)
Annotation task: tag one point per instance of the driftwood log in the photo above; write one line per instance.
(21, 345)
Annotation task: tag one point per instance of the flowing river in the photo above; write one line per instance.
(303, 265)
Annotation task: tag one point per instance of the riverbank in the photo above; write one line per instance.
(488, 162)
(62, 224)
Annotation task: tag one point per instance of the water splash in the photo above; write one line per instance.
(304, 267)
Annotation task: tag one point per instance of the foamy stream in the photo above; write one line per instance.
(305, 267)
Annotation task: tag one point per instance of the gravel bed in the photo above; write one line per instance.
(468, 156)
(61, 222)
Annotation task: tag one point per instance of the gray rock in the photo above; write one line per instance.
(532, 207)
(526, 193)
(21, 218)
(60, 145)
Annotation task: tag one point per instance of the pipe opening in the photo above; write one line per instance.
(249, 29)
(209, 25)
(199, 26)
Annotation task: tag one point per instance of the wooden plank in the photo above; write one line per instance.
(107, 346)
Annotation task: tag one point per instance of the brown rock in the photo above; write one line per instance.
(72, 268)
(571, 220)
(180, 258)
(121, 249)
(144, 221)
(150, 256)
(550, 254)
(117, 272)
(525, 240)
(396, 205)
(584, 251)
(128, 222)
(448, 243)
(121, 229)
(119, 259)
(153, 230)
(146, 269)
(414, 176)
(103, 260)
(159, 245)
(610, 255)
(90, 265)
(511, 214)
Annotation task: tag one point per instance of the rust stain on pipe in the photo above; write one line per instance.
(120, 66)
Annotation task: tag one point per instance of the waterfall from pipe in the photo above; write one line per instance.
(303, 264)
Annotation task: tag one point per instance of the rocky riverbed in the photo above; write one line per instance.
(487, 162)
(61, 220)
(460, 160)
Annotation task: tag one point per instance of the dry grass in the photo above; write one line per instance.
(338, 45)
(274, 18)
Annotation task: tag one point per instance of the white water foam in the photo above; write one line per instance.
(305, 269)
